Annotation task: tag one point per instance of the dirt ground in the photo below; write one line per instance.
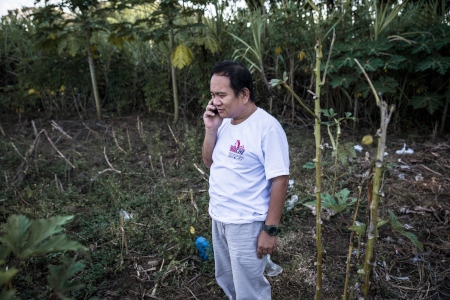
(416, 188)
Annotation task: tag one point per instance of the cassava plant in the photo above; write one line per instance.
(25, 239)
(339, 154)
(318, 141)
(385, 117)
(358, 229)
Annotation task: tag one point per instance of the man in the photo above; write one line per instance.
(247, 151)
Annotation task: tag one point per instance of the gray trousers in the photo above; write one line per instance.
(239, 272)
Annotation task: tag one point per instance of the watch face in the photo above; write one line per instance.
(271, 230)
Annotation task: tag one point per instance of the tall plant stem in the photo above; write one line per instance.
(335, 143)
(385, 117)
(350, 247)
(291, 77)
(318, 188)
(98, 104)
(299, 100)
(174, 79)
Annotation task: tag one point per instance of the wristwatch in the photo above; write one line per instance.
(271, 230)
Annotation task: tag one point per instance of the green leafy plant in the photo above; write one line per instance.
(26, 238)
(337, 204)
(60, 278)
(340, 153)
(399, 227)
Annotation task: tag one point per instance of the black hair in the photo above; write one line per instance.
(240, 76)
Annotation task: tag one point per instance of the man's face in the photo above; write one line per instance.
(224, 99)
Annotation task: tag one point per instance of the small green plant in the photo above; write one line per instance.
(26, 238)
(60, 278)
(336, 204)
(397, 226)
(340, 153)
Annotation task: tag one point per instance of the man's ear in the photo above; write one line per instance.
(245, 92)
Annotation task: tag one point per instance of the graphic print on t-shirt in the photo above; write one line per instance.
(237, 151)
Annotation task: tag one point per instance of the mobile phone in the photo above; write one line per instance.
(215, 111)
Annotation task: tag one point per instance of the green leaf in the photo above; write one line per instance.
(182, 57)
(414, 240)
(395, 62)
(71, 43)
(342, 197)
(56, 244)
(381, 222)
(372, 64)
(275, 82)
(424, 46)
(313, 5)
(330, 113)
(7, 295)
(437, 63)
(442, 42)
(398, 227)
(430, 102)
(344, 152)
(6, 276)
(330, 203)
(4, 252)
(44, 228)
(332, 68)
(25, 244)
(378, 47)
(385, 85)
(210, 43)
(309, 165)
(345, 61)
(60, 277)
(16, 233)
(359, 228)
(343, 80)
(395, 223)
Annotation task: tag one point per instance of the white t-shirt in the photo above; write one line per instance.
(245, 159)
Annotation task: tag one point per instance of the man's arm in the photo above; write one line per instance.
(268, 244)
(208, 146)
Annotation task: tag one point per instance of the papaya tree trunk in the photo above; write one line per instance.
(174, 80)
(98, 104)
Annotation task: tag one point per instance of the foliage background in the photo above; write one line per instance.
(404, 47)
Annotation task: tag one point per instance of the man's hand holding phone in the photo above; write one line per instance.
(211, 117)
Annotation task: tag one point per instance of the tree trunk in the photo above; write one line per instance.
(174, 80)
(98, 104)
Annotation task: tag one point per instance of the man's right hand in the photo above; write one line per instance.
(211, 119)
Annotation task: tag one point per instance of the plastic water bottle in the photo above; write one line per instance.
(203, 246)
